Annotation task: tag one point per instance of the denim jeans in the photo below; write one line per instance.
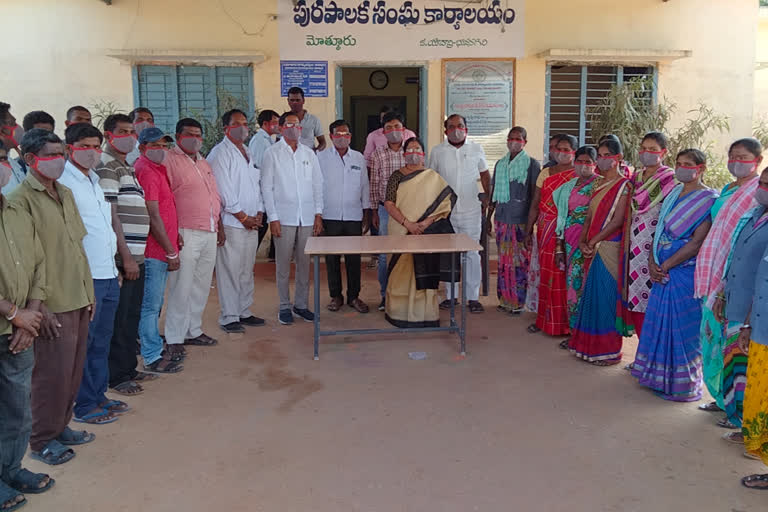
(95, 379)
(15, 410)
(383, 221)
(155, 277)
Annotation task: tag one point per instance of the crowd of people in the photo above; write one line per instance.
(99, 227)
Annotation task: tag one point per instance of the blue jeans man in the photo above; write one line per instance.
(155, 278)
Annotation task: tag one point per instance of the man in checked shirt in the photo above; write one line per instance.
(383, 162)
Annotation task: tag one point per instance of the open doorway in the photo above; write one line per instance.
(365, 90)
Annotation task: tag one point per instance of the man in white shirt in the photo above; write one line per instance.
(462, 163)
(311, 128)
(100, 244)
(239, 186)
(262, 140)
(293, 194)
(346, 210)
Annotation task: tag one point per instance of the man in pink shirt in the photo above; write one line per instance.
(198, 208)
(377, 139)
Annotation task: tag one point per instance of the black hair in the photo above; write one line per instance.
(554, 137)
(80, 131)
(586, 150)
(188, 121)
(751, 144)
(697, 155)
(570, 139)
(37, 117)
(445, 123)
(658, 137)
(284, 115)
(76, 108)
(337, 123)
(608, 136)
(227, 117)
(140, 110)
(384, 109)
(2, 147)
(110, 123)
(36, 139)
(266, 116)
(391, 116)
(411, 140)
(296, 90)
(519, 129)
(613, 145)
(4, 109)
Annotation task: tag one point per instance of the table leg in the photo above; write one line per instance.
(463, 328)
(452, 293)
(317, 306)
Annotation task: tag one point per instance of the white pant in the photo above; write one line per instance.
(234, 274)
(189, 287)
(471, 225)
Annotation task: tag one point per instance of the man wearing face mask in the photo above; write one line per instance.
(461, 163)
(142, 118)
(346, 210)
(293, 195)
(162, 252)
(100, 244)
(383, 162)
(240, 190)
(130, 221)
(60, 348)
(10, 135)
(262, 140)
(377, 139)
(311, 127)
(198, 207)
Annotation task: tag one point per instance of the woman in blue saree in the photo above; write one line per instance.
(668, 358)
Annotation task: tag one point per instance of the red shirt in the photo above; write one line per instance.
(153, 178)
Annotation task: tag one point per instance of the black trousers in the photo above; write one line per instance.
(122, 350)
(262, 233)
(351, 261)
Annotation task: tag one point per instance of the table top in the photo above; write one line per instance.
(413, 244)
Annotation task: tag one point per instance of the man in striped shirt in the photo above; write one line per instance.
(130, 221)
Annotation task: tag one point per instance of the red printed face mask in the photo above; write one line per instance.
(16, 133)
(190, 144)
(87, 158)
(51, 167)
(122, 143)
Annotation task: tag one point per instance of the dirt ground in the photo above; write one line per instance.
(255, 424)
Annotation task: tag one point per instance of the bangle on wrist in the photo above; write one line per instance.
(745, 327)
(13, 313)
(172, 256)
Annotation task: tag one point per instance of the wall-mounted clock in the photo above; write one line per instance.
(379, 79)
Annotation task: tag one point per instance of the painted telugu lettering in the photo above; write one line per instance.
(331, 41)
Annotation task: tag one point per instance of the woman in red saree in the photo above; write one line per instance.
(552, 316)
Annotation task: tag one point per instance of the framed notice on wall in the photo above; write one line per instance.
(483, 91)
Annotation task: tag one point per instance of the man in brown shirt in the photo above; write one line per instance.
(61, 346)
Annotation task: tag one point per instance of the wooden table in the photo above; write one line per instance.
(406, 244)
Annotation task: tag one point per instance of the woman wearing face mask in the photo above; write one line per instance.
(418, 201)
(514, 182)
(572, 201)
(736, 199)
(649, 188)
(668, 358)
(594, 337)
(746, 287)
(552, 309)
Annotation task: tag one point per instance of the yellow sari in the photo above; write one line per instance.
(420, 195)
(755, 424)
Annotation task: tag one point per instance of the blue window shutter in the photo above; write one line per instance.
(158, 91)
(238, 82)
(197, 92)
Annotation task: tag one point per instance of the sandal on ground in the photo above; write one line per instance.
(71, 437)
(759, 482)
(164, 366)
(474, 306)
(607, 362)
(335, 304)
(533, 329)
(28, 482)
(724, 423)
(116, 406)
(100, 417)
(565, 344)
(516, 312)
(128, 388)
(446, 304)
(54, 453)
(630, 367)
(201, 341)
(752, 456)
(734, 437)
(10, 498)
(176, 350)
(710, 407)
(359, 306)
(144, 377)
(176, 358)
